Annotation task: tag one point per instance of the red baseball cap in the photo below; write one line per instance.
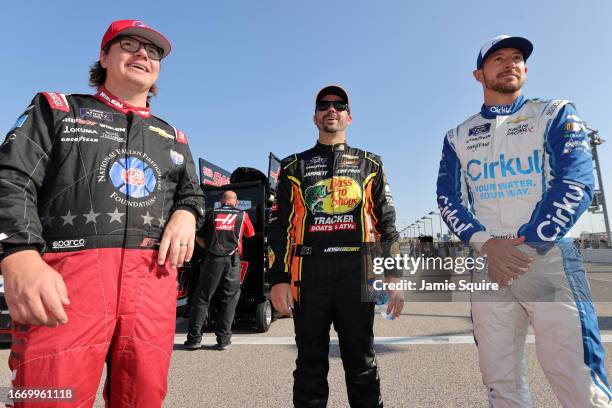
(136, 27)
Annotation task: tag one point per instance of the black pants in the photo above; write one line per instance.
(330, 292)
(222, 272)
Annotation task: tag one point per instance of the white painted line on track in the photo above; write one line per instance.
(401, 341)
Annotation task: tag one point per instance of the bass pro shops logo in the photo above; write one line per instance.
(337, 195)
(132, 177)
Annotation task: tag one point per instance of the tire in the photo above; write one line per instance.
(263, 316)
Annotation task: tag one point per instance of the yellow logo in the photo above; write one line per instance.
(161, 132)
(337, 195)
(519, 119)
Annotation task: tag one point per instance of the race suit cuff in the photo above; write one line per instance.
(8, 249)
(478, 239)
(190, 209)
(278, 277)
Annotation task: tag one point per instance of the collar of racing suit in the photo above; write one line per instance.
(491, 111)
(111, 100)
(336, 147)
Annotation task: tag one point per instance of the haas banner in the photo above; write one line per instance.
(213, 175)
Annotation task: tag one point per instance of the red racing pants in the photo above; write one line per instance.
(122, 313)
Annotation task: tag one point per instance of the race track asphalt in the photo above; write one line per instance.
(426, 359)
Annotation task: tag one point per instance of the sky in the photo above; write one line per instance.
(242, 76)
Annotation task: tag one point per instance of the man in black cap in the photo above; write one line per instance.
(332, 204)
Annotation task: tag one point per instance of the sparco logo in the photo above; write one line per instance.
(566, 211)
(68, 243)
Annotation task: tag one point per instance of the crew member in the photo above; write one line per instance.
(332, 201)
(221, 235)
(99, 202)
(513, 179)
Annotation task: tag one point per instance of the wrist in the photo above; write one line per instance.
(479, 239)
(18, 258)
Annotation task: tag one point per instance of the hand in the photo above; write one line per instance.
(396, 297)
(505, 261)
(34, 291)
(282, 299)
(178, 239)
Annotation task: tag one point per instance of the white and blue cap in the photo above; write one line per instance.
(504, 41)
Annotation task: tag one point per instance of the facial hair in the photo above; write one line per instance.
(322, 125)
(503, 88)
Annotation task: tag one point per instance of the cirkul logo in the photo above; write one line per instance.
(502, 109)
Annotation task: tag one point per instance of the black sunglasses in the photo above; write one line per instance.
(338, 105)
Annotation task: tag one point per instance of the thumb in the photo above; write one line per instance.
(518, 241)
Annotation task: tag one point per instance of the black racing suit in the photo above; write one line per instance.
(91, 181)
(222, 232)
(332, 205)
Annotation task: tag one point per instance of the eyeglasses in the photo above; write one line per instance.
(338, 105)
(132, 45)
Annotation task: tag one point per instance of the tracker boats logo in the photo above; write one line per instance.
(333, 223)
(336, 195)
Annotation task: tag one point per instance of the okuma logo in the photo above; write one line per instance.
(132, 177)
(333, 196)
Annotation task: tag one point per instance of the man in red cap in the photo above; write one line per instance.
(99, 202)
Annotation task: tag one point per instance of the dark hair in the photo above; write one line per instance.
(97, 74)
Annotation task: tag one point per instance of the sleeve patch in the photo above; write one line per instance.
(181, 137)
(57, 101)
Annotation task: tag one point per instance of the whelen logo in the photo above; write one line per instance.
(68, 243)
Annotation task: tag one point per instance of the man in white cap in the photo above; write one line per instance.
(99, 203)
(513, 179)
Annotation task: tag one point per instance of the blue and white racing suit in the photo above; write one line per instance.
(526, 169)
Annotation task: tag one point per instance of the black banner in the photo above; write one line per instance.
(273, 170)
(213, 175)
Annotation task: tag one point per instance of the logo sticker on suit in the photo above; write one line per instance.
(336, 195)
(132, 177)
